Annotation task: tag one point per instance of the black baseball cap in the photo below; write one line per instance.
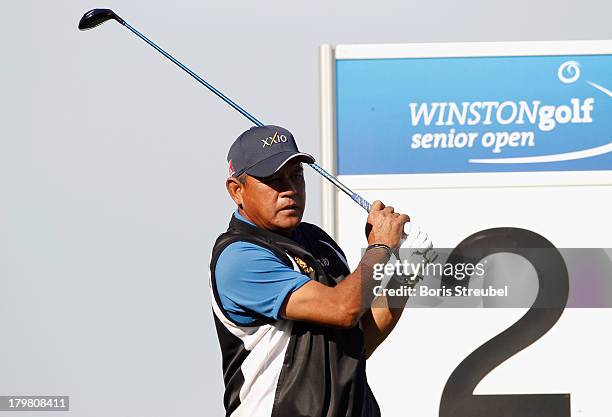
(263, 150)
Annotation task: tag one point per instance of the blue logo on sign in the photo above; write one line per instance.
(474, 114)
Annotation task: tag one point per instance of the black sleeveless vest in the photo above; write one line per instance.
(323, 372)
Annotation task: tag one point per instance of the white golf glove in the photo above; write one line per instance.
(416, 248)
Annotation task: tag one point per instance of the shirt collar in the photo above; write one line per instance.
(241, 217)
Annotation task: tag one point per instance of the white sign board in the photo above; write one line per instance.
(468, 137)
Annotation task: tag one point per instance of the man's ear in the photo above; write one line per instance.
(235, 189)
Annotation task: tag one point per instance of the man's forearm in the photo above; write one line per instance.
(356, 291)
(384, 314)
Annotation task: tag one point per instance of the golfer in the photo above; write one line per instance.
(295, 325)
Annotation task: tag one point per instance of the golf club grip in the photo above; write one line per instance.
(362, 202)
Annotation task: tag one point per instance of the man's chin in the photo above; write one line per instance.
(289, 219)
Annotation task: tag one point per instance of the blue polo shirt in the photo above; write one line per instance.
(252, 280)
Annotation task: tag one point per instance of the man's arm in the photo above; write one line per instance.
(380, 320)
(342, 305)
(346, 303)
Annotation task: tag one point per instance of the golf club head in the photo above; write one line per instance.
(96, 17)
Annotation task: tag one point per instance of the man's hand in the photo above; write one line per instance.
(385, 226)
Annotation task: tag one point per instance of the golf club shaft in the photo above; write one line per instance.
(354, 196)
(193, 74)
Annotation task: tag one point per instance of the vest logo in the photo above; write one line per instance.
(276, 138)
(303, 265)
(324, 261)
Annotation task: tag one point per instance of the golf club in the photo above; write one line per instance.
(96, 17)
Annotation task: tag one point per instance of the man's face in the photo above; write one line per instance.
(274, 203)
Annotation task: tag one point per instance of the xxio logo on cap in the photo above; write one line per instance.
(271, 140)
